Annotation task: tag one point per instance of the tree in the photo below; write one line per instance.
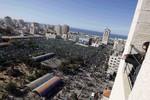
(2, 60)
(4, 97)
(105, 66)
(2, 68)
(74, 96)
(11, 87)
(31, 78)
(40, 73)
(14, 73)
(64, 69)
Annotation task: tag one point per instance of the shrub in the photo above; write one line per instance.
(31, 78)
(2, 68)
(14, 73)
(74, 96)
(40, 73)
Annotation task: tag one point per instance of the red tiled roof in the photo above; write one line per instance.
(106, 93)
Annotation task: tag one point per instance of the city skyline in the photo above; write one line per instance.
(93, 15)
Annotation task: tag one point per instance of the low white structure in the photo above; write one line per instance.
(50, 35)
(95, 44)
(84, 40)
(64, 36)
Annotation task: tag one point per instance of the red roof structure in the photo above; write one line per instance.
(47, 86)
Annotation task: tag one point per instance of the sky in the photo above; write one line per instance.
(93, 15)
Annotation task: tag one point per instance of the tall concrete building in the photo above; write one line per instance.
(15, 22)
(138, 34)
(34, 28)
(105, 37)
(115, 58)
(1, 22)
(65, 29)
(34, 24)
(118, 46)
(8, 21)
(58, 29)
(20, 23)
(113, 63)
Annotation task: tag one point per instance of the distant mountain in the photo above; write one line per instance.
(90, 32)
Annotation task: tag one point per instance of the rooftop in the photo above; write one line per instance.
(5, 44)
(106, 93)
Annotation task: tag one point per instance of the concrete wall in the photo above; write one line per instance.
(113, 63)
(142, 29)
(105, 98)
(139, 33)
(141, 89)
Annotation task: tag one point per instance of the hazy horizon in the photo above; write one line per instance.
(93, 15)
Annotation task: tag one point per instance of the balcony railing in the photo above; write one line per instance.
(129, 70)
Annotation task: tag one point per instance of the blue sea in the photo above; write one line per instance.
(90, 32)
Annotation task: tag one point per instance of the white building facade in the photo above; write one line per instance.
(113, 63)
(34, 28)
(119, 45)
(139, 33)
(58, 29)
(65, 29)
(105, 37)
(20, 23)
(50, 35)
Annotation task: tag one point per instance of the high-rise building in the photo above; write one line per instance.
(119, 45)
(8, 21)
(34, 24)
(105, 37)
(123, 88)
(58, 29)
(115, 58)
(1, 22)
(113, 63)
(20, 23)
(15, 22)
(34, 28)
(65, 29)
